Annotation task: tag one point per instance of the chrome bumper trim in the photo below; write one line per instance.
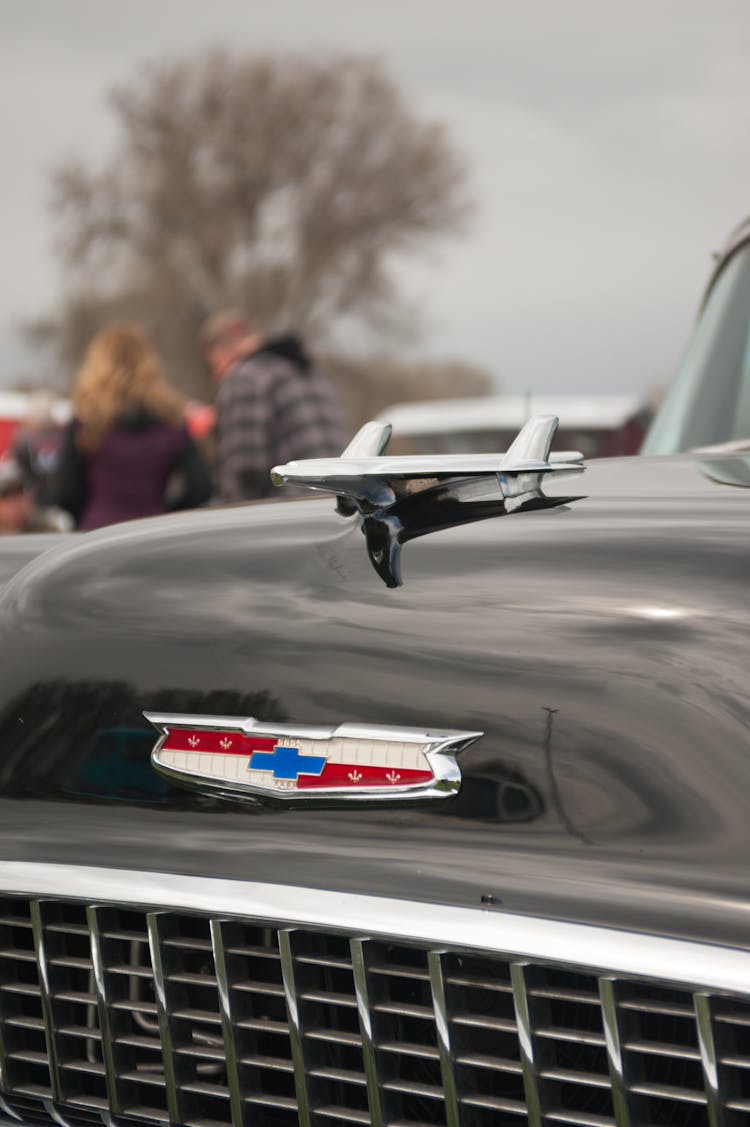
(532, 938)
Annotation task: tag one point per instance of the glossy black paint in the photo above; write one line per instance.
(428, 511)
(602, 647)
(17, 551)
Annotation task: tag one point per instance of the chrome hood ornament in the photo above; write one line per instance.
(401, 498)
(238, 757)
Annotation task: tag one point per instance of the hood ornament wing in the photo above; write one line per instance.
(401, 498)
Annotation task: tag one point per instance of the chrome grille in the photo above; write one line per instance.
(127, 1016)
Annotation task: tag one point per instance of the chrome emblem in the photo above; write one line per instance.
(243, 758)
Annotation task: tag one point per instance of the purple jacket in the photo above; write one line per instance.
(128, 476)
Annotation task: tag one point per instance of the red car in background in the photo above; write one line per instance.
(14, 410)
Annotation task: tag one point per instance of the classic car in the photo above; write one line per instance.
(424, 801)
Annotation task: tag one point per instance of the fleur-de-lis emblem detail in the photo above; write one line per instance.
(225, 743)
(193, 741)
(393, 777)
(355, 776)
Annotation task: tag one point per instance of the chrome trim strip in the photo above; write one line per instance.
(364, 1009)
(249, 726)
(709, 1057)
(295, 1025)
(46, 995)
(165, 1030)
(225, 1002)
(110, 1069)
(608, 1000)
(617, 952)
(442, 1024)
(526, 1043)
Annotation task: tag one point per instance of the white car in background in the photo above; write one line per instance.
(600, 426)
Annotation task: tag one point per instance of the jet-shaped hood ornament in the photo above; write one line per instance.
(401, 498)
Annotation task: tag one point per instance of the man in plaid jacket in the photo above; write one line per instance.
(272, 406)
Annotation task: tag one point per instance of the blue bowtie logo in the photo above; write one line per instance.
(287, 763)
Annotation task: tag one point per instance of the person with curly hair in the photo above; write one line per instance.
(127, 452)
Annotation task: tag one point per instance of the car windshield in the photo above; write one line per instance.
(709, 401)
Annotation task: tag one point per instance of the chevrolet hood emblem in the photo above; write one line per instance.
(238, 757)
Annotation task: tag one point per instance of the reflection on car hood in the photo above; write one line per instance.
(601, 647)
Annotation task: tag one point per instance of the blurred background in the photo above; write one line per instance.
(445, 199)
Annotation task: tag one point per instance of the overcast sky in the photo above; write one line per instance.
(609, 147)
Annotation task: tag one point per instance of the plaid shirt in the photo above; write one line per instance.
(268, 413)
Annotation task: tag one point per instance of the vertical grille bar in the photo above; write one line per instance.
(222, 979)
(54, 1114)
(7, 1111)
(442, 1024)
(526, 1042)
(110, 1071)
(359, 967)
(4, 1083)
(295, 1026)
(709, 1057)
(44, 986)
(620, 1101)
(165, 1029)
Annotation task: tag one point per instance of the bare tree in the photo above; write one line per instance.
(367, 385)
(285, 186)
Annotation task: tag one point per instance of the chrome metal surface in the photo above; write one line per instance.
(227, 1020)
(295, 1026)
(402, 498)
(13, 1116)
(526, 1044)
(607, 993)
(46, 995)
(709, 1057)
(320, 1019)
(438, 748)
(54, 1114)
(104, 1004)
(718, 968)
(374, 482)
(155, 942)
(364, 1010)
(370, 441)
(443, 1027)
(3, 1068)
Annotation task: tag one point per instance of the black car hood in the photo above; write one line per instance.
(602, 648)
